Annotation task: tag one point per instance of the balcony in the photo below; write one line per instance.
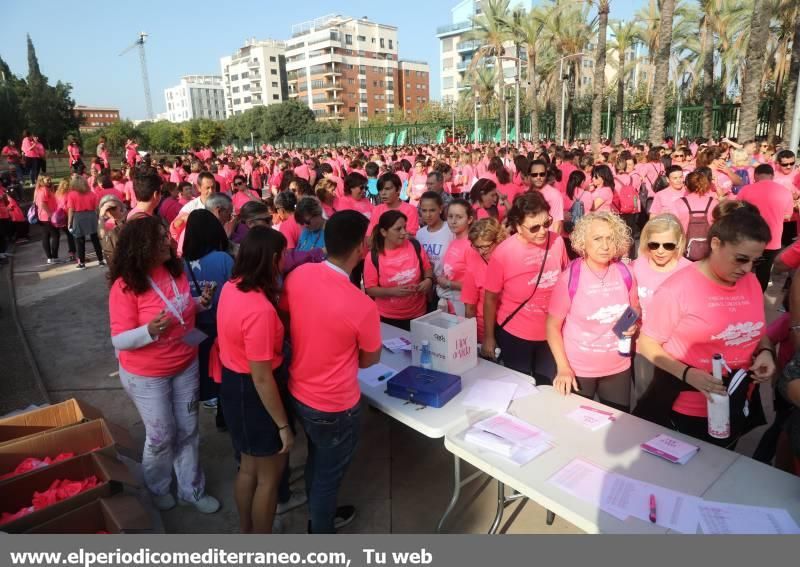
(454, 28)
(253, 64)
(334, 87)
(467, 46)
(463, 65)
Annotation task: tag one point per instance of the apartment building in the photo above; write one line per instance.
(255, 75)
(197, 96)
(94, 117)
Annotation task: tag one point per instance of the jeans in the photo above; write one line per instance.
(168, 408)
(34, 164)
(332, 440)
(51, 238)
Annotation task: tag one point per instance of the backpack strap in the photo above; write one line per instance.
(418, 249)
(373, 254)
(708, 205)
(574, 277)
(626, 274)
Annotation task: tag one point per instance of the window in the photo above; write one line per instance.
(373, 41)
(362, 38)
(362, 69)
(348, 39)
(237, 101)
(390, 98)
(408, 85)
(246, 99)
(246, 74)
(362, 83)
(408, 99)
(382, 43)
(447, 44)
(377, 97)
(391, 46)
(234, 77)
(352, 108)
(351, 81)
(275, 84)
(276, 97)
(273, 71)
(246, 88)
(374, 83)
(236, 89)
(447, 82)
(272, 59)
(363, 98)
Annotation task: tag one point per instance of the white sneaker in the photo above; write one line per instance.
(278, 525)
(205, 505)
(51, 261)
(296, 498)
(164, 502)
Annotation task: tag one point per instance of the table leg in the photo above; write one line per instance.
(501, 504)
(457, 485)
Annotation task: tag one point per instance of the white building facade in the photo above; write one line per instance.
(197, 96)
(255, 75)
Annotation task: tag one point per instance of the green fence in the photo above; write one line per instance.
(635, 126)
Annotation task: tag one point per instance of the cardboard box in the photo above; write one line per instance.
(453, 341)
(111, 474)
(79, 439)
(119, 514)
(49, 417)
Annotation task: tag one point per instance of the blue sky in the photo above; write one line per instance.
(82, 46)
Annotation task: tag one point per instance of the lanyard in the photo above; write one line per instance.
(170, 305)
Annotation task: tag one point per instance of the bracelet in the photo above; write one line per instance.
(769, 350)
(284, 427)
(685, 372)
(427, 278)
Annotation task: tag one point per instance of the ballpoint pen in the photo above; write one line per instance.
(653, 508)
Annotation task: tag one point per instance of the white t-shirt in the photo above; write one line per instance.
(435, 245)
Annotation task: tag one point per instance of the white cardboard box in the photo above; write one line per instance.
(453, 341)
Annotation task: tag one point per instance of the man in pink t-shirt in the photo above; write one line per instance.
(664, 199)
(331, 340)
(536, 179)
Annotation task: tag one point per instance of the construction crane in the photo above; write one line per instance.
(145, 81)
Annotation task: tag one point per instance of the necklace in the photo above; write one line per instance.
(603, 278)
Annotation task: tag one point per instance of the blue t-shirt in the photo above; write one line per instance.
(309, 240)
(372, 186)
(213, 267)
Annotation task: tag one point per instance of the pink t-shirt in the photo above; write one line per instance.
(398, 267)
(511, 190)
(416, 187)
(48, 199)
(473, 286)
(555, 199)
(694, 318)
(248, 329)
(454, 262)
(664, 199)
(80, 202)
(412, 224)
(588, 198)
(241, 197)
(481, 213)
(773, 202)
(363, 206)
(512, 273)
(327, 335)
(169, 354)
(589, 318)
(291, 230)
(696, 202)
(649, 279)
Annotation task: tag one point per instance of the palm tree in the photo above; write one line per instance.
(481, 85)
(791, 84)
(625, 36)
(603, 8)
(707, 57)
(751, 90)
(661, 75)
(779, 55)
(491, 28)
(527, 29)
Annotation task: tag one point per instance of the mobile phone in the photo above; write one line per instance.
(628, 318)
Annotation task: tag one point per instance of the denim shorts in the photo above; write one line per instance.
(252, 430)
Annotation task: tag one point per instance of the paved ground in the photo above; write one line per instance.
(400, 481)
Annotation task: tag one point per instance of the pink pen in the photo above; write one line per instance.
(653, 508)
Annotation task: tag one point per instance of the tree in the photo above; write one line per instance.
(625, 36)
(791, 84)
(527, 31)
(603, 8)
(10, 115)
(661, 78)
(707, 56)
(751, 91)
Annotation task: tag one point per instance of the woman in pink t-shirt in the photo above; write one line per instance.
(460, 217)
(484, 236)
(389, 186)
(697, 199)
(712, 307)
(417, 183)
(484, 198)
(396, 273)
(664, 199)
(254, 378)
(660, 256)
(152, 329)
(588, 300)
(62, 192)
(355, 195)
(519, 281)
(599, 195)
(82, 219)
(325, 190)
(44, 197)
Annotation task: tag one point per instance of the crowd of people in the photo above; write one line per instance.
(256, 284)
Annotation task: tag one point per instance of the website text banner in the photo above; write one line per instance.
(394, 550)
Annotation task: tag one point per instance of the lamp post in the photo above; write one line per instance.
(564, 90)
(794, 140)
(475, 127)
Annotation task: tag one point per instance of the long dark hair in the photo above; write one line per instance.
(604, 172)
(138, 244)
(481, 188)
(386, 222)
(735, 221)
(576, 179)
(256, 265)
(204, 234)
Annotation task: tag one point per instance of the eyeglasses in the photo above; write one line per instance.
(746, 260)
(485, 248)
(542, 174)
(677, 155)
(537, 227)
(790, 164)
(238, 182)
(668, 246)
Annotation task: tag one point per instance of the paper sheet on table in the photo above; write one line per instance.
(490, 394)
(398, 344)
(674, 510)
(591, 418)
(516, 454)
(371, 376)
(585, 481)
(513, 429)
(525, 389)
(723, 518)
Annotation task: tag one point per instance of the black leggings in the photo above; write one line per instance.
(70, 241)
(764, 268)
(51, 238)
(6, 231)
(697, 427)
(81, 242)
(528, 357)
(404, 324)
(614, 390)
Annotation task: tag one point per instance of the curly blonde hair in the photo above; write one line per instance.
(487, 229)
(622, 239)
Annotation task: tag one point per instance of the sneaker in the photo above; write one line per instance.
(73, 258)
(51, 261)
(205, 505)
(164, 502)
(210, 404)
(344, 516)
(81, 266)
(101, 263)
(278, 525)
(296, 498)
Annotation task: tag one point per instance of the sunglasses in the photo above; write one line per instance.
(485, 248)
(677, 155)
(668, 246)
(746, 260)
(537, 227)
(790, 164)
(543, 174)
(238, 183)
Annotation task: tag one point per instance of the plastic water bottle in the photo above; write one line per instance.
(425, 359)
(719, 408)
(624, 346)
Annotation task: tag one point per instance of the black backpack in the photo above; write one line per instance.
(417, 248)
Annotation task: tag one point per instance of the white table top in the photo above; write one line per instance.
(432, 422)
(614, 448)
